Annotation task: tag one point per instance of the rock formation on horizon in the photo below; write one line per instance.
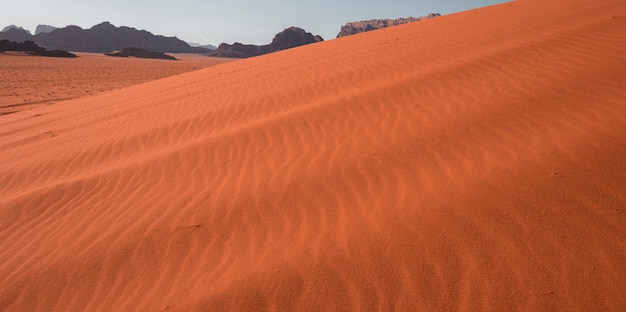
(44, 29)
(17, 34)
(5, 29)
(206, 46)
(32, 48)
(363, 26)
(288, 38)
(141, 53)
(102, 38)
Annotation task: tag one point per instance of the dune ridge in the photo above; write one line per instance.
(470, 162)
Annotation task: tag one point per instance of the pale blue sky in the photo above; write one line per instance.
(211, 21)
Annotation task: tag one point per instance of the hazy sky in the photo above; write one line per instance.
(212, 21)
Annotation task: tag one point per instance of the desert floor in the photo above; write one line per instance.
(33, 81)
(472, 162)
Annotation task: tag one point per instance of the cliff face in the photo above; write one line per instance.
(363, 26)
(101, 38)
(288, 38)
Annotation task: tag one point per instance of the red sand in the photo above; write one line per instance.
(472, 162)
(30, 82)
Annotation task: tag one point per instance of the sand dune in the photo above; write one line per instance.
(470, 162)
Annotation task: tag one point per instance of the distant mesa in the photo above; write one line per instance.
(289, 38)
(141, 53)
(44, 29)
(206, 46)
(363, 26)
(102, 38)
(31, 48)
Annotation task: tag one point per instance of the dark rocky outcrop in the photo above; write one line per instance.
(44, 29)
(31, 48)
(141, 53)
(288, 38)
(239, 50)
(103, 38)
(363, 26)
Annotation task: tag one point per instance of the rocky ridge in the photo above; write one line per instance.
(363, 26)
(101, 38)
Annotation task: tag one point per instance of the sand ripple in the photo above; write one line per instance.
(470, 162)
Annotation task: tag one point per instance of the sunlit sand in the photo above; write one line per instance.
(471, 162)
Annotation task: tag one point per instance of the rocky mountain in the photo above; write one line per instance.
(363, 26)
(17, 34)
(288, 38)
(14, 27)
(102, 38)
(44, 29)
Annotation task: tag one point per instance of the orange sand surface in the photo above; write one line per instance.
(471, 162)
(29, 82)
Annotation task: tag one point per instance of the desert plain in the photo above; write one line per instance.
(471, 162)
(29, 82)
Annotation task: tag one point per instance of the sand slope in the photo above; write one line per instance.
(471, 162)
